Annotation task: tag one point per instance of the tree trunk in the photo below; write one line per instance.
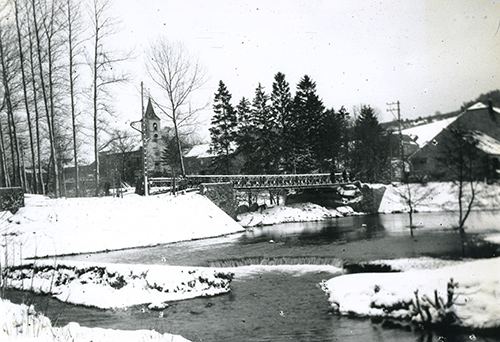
(179, 147)
(45, 101)
(3, 161)
(40, 181)
(72, 98)
(96, 151)
(25, 93)
(17, 178)
(55, 163)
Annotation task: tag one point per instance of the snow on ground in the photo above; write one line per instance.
(106, 286)
(20, 323)
(437, 196)
(299, 212)
(477, 303)
(493, 238)
(77, 225)
(422, 263)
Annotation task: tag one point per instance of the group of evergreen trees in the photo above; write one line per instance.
(285, 133)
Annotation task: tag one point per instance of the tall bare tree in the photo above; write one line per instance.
(41, 183)
(25, 93)
(73, 28)
(177, 77)
(8, 70)
(46, 98)
(103, 74)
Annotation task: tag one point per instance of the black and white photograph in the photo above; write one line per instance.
(249, 170)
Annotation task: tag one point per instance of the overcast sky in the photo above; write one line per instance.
(431, 55)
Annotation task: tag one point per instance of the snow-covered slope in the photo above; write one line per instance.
(75, 225)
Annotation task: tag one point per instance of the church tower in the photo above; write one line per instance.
(153, 140)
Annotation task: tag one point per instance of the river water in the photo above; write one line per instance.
(282, 306)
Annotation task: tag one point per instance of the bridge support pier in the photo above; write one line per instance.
(222, 194)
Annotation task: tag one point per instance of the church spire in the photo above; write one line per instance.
(150, 113)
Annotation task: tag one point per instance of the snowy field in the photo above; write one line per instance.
(77, 225)
(20, 323)
(476, 294)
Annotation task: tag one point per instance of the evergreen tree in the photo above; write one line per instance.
(265, 126)
(306, 118)
(223, 129)
(370, 156)
(281, 106)
(334, 138)
(245, 137)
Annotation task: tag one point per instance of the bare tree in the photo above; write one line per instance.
(8, 66)
(460, 157)
(103, 61)
(170, 68)
(412, 194)
(73, 28)
(25, 93)
(49, 30)
(40, 182)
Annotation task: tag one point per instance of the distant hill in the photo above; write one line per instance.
(493, 95)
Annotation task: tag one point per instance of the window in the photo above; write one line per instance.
(155, 126)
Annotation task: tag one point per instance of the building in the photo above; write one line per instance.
(481, 122)
(153, 141)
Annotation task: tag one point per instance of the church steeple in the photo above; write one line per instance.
(150, 113)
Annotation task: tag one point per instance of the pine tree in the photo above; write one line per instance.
(246, 134)
(223, 129)
(334, 138)
(370, 155)
(281, 106)
(307, 114)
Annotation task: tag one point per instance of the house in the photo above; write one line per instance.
(199, 159)
(481, 122)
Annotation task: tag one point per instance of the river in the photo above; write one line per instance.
(284, 306)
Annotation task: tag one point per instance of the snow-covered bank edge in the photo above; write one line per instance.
(465, 294)
(19, 322)
(105, 286)
(436, 196)
(47, 227)
(298, 212)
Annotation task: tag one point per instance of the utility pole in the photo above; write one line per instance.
(142, 130)
(395, 109)
(144, 156)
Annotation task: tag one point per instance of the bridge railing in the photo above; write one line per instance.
(268, 181)
(275, 181)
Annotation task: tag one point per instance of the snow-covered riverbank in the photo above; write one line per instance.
(423, 295)
(20, 323)
(117, 285)
(299, 212)
(77, 225)
(437, 196)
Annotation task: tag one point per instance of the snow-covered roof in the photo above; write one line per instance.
(481, 105)
(200, 151)
(487, 144)
(424, 133)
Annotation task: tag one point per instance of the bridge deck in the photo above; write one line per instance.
(254, 182)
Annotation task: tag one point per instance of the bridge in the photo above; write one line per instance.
(256, 182)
